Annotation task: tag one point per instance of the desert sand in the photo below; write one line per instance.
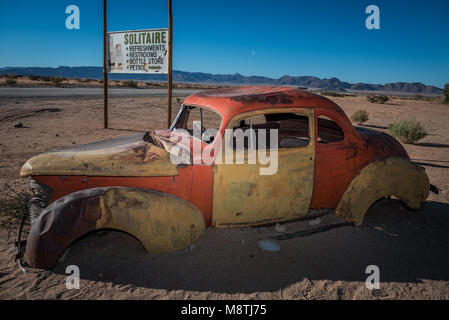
(410, 247)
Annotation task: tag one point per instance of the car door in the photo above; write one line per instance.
(243, 196)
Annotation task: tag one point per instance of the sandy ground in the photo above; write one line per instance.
(410, 247)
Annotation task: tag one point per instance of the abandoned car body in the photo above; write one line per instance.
(131, 184)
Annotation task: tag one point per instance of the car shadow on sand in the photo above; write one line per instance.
(406, 245)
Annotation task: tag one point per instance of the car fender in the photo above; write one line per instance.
(160, 221)
(389, 176)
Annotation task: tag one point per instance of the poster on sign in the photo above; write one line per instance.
(141, 51)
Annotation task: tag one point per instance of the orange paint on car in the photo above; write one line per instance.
(193, 184)
(337, 163)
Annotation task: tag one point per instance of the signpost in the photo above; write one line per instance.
(140, 51)
(105, 66)
(170, 58)
(137, 51)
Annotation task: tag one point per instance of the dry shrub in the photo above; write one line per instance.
(408, 131)
(13, 208)
(360, 116)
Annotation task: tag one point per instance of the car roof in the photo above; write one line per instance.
(235, 100)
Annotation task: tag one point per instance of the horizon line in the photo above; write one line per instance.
(236, 73)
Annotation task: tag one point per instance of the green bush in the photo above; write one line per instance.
(446, 94)
(360, 116)
(130, 83)
(408, 131)
(377, 99)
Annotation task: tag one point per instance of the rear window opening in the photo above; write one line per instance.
(329, 131)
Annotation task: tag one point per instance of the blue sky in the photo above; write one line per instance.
(252, 37)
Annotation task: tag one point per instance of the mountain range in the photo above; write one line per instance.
(331, 84)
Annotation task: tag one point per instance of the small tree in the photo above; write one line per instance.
(359, 117)
(408, 131)
(446, 94)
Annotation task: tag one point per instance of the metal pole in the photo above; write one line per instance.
(170, 57)
(105, 66)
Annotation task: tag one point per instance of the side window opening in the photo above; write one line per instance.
(293, 130)
(329, 131)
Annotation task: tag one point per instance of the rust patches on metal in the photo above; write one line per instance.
(381, 143)
(255, 223)
(105, 213)
(160, 221)
(241, 188)
(61, 223)
(273, 99)
(252, 187)
(351, 150)
(389, 176)
(251, 95)
(150, 155)
(338, 163)
(129, 156)
(231, 101)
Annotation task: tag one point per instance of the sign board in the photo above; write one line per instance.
(140, 51)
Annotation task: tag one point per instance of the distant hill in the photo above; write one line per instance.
(332, 84)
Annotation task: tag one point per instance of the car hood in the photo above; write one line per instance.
(135, 155)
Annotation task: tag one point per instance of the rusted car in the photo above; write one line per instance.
(132, 184)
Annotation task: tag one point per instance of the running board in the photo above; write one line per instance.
(328, 222)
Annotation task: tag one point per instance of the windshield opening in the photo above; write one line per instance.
(196, 121)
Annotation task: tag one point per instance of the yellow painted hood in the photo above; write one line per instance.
(129, 156)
